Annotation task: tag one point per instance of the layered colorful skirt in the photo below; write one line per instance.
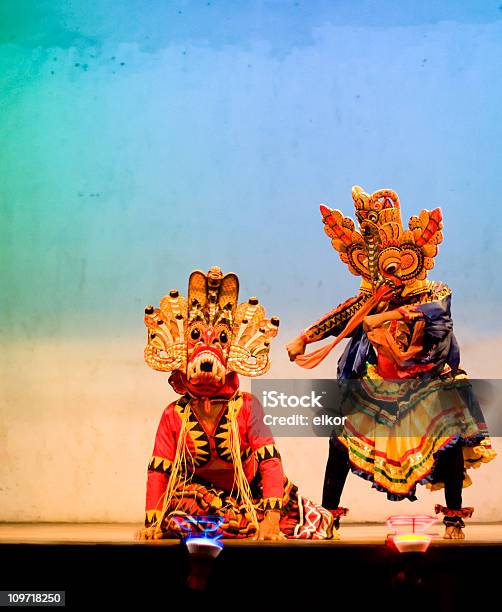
(395, 431)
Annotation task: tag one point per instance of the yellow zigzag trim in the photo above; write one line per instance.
(224, 446)
(201, 454)
(223, 442)
(162, 462)
(269, 451)
(272, 503)
(152, 515)
(200, 451)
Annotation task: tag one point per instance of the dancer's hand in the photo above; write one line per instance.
(370, 322)
(296, 347)
(269, 528)
(373, 321)
(149, 533)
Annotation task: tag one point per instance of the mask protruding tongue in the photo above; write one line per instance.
(313, 359)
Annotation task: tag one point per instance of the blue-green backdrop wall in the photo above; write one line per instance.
(142, 139)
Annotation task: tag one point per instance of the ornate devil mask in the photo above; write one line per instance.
(382, 251)
(209, 334)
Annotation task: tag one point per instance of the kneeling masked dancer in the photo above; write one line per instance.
(213, 455)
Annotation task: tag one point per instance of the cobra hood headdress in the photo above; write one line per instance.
(209, 334)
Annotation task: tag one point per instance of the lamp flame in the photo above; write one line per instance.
(409, 532)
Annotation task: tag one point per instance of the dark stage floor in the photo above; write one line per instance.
(103, 563)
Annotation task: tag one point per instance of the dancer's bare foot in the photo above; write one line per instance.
(453, 532)
(453, 521)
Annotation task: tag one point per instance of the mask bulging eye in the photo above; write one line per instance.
(195, 333)
(391, 268)
(223, 337)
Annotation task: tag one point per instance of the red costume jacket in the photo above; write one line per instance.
(208, 452)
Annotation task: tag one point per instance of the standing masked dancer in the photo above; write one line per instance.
(412, 416)
(213, 456)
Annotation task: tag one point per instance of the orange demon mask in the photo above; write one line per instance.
(383, 251)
